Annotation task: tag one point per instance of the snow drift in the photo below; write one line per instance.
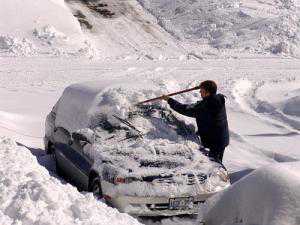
(268, 196)
(30, 195)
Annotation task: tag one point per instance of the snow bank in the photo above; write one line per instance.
(30, 195)
(36, 14)
(16, 46)
(268, 196)
(49, 34)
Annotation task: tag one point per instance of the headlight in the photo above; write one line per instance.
(220, 173)
(125, 180)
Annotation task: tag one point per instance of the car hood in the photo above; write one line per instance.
(154, 158)
(169, 169)
(150, 141)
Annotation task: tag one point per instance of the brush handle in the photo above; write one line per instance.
(171, 94)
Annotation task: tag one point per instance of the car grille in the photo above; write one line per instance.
(159, 177)
(191, 179)
(167, 180)
(194, 179)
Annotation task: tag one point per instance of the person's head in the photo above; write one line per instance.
(208, 88)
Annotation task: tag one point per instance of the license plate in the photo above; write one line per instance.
(181, 203)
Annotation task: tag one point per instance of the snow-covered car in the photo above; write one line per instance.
(143, 160)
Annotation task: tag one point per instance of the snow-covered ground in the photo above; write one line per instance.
(43, 48)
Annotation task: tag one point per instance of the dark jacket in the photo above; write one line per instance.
(211, 118)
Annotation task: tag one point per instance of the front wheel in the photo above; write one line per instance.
(96, 188)
(49, 149)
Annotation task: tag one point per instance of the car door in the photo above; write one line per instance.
(71, 162)
(63, 151)
(81, 161)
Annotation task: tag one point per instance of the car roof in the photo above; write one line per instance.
(93, 88)
(90, 88)
(78, 100)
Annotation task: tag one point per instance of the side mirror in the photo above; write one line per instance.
(79, 137)
(84, 136)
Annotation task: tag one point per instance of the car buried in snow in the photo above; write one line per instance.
(143, 160)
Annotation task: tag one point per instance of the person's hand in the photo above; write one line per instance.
(165, 97)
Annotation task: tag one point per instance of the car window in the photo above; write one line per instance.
(167, 117)
(61, 135)
(55, 107)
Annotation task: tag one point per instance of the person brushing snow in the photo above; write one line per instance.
(211, 118)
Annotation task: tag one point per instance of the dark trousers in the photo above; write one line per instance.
(216, 154)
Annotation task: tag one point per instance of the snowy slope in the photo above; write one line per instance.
(51, 28)
(46, 28)
(30, 195)
(149, 29)
(131, 33)
(266, 26)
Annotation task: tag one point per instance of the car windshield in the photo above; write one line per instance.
(161, 123)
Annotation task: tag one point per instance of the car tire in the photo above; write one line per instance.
(50, 149)
(96, 188)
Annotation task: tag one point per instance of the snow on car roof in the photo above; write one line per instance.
(81, 101)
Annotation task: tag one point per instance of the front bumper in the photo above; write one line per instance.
(155, 206)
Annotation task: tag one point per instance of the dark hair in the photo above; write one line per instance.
(209, 86)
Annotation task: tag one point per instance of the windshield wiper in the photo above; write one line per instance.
(130, 125)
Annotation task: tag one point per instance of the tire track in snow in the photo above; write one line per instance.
(274, 138)
(244, 92)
